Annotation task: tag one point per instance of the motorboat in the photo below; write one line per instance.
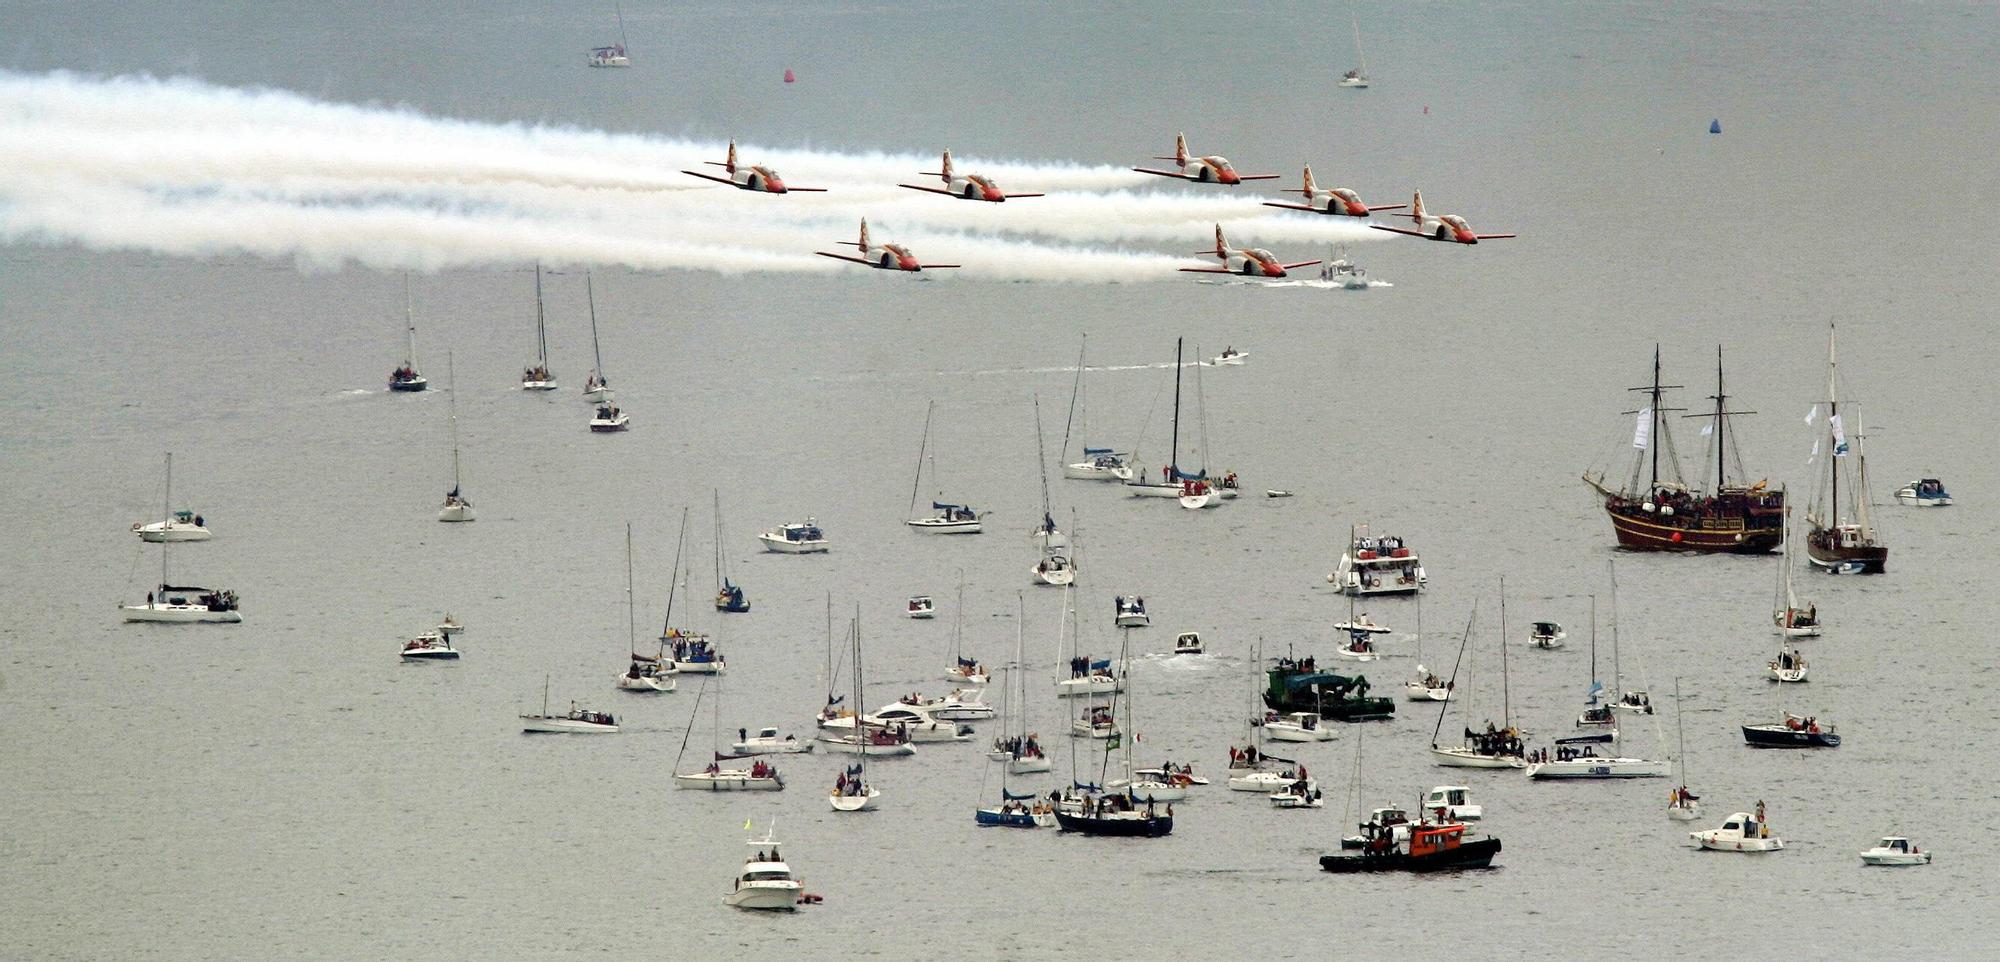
(1378, 566)
(1131, 612)
(1298, 726)
(1344, 274)
(1188, 643)
(1231, 357)
(875, 742)
(968, 671)
(1789, 666)
(765, 882)
(907, 722)
(1276, 493)
(694, 654)
(180, 526)
(1741, 832)
(802, 538)
(429, 646)
(851, 791)
(1389, 821)
(761, 776)
(1452, 803)
(948, 519)
(609, 419)
(1054, 569)
(577, 721)
(172, 604)
(1547, 635)
(1895, 850)
(921, 607)
(1431, 847)
(960, 704)
(1794, 732)
(767, 741)
(1923, 493)
(1303, 793)
(1095, 722)
(1633, 701)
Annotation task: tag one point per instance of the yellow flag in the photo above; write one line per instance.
(746, 824)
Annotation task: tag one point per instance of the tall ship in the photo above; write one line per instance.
(1840, 532)
(1656, 511)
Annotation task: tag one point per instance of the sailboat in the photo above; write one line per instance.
(406, 378)
(761, 776)
(728, 594)
(577, 721)
(1096, 464)
(1204, 493)
(1173, 482)
(1682, 805)
(1840, 536)
(1575, 757)
(1494, 748)
(1426, 686)
(1792, 619)
(1087, 676)
(950, 518)
(1356, 78)
(851, 732)
(537, 377)
(1597, 715)
(1058, 563)
(1016, 810)
(612, 56)
(596, 389)
(648, 672)
(694, 652)
(1128, 812)
(1021, 749)
(171, 604)
(963, 670)
(852, 792)
(456, 507)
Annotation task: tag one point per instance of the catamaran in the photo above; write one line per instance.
(171, 604)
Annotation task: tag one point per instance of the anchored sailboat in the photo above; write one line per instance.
(728, 594)
(456, 507)
(171, 604)
(537, 376)
(406, 378)
(612, 56)
(949, 518)
(1096, 464)
(596, 388)
(1840, 536)
(1794, 619)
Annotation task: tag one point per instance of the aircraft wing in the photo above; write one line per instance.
(1299, 264)
(1209, 270)
(929, 190)
(1399, 230)
(1387, 207)
(1304, 207)
(719, 180)
(844, 257)
(1492, 236)
(935, 267)
(1162, 173)
(805, 190)
(1258, 176)
(1011, 195)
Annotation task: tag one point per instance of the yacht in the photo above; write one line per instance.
(1794, 732)
(767, 741)
(579, 721)
(765, 882)
(948, 519)
(1741, 832)
(648, 673)
(1378, 566)
(429, 646)
(609, 419)
(456, 507)
(1547, 635)
(1452, 803)
(180, 526)
(172, 604)
(1298, 726)
(761, 776)
(1096, 721)
(801, 538)
(960, 704)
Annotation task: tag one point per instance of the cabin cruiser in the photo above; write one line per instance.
(1379, 566)
(803, 538)
(968, 671)
(1924, 493)
(879, 742)
(1188, 643)
(1132, 612)
(1790, 666)
(1452, 803)
(694, 654)
(1895, 850)
(960, 704)
(608, 419)
(1794, 732)
(1229, 356)
(906, 722)
(949, 519)
(1099, 464)
(429, 646)
(180, 605)
(182, 526)
(1087, 677)
(766, 882)
(581, 721)
(761, 776)
(1303, 793)
(1741, 832)
(767, 741)
(1298, 726)
(1547, 635)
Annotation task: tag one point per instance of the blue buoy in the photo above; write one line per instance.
(1715, 126)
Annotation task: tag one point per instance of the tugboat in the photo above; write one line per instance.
(1923, 493)
(1299, 686)
(1669, 515)
(1431, 847)
(1840, 538)
(1794, 732)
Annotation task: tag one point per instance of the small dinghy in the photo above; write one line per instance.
(1548, 635)
(1895, 850)
(429, 646)
(1741, 832)
(1790, 666)
(921, 606)
(1794, 732)
(1359, 648)
(1276, 493)
(1924, 493)
(767, 741)
(1188, 643)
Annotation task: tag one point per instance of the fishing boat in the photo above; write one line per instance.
(1840, 531)
(1547, 635)
(537, 376)
(1131, 612)
(596, 387)
(1895, 850)
(1188, 643)
(1793, 618)
(429, 646)
(406, 378)
(184, 604)
(802, 538)
(758, 776)
(1377, 566)
(946, 518)
(1297, 726)
(768, 741)
(729, 597)
(1499, 747)
(1740, 832)
(766, 882)
(1431, 847)
(1173, 483)
(1452, 803)
(1789, 666)
(1796, 731)
(576, 721)
(1923, 493)
(456, 508)
(1357, 78)
(1095, 463)
(1682, 804)
(1230, 357)
(1668, 514)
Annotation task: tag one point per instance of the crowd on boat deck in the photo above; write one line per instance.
(1309, 722)
(606, 412)
(1079, 667)
(763, 856)
(1094, 805)
(1789, 659)
(643, 666)
(593, 717)
(1807, 617)
(1133, 605)
(1562, 753)
(1637, 699)
(1681, 797)
(224, 600)
(849, 783)
(1808, 724)
(1492, 741)
(1303, 788)
(691, 649)
(1304, 665)
(1382, 546)
(1432, 681)
(760, 769)
(539, 372)
(404, 373)
(1019, 747)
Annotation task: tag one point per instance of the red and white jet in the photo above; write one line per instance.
(886, 257)
(1450, 228)
(1207, 170)
(750, 177)
(1248, 261)
(1339, 201)
(965, 186)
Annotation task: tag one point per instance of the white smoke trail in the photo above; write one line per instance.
(186, 168)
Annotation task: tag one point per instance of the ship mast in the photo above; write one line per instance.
(1721, 417)
(1656, 436)
(1832, 438)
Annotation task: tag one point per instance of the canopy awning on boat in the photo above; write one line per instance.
(167, 588)
(1180, 475)
(941, 506)
(1100, 665)
(1090, 451)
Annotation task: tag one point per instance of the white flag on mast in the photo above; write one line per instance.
(1811, 412)
(1643, 430)
(1839, 436)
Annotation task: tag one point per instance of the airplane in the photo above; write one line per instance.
(965, 186)
(752, 177)
(887, 257)
(1248, 261)
(1339, 201)
(1203, 169)
(1439, 227)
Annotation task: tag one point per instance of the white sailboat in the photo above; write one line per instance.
(729, 596)
(852, 791)
(406, 378)
(1426, 686)
(1793, 619)
(648, 673)
(456, 507)
(1496, 747)
(596, 388)
(1086, 676)
(171, 604)
(612, 56)
(963, 670)
(537, 376)
(577, 721)
(1682, 805)
(1021, 749)
(1095, 464)
(1057, 564)
(1017, 810)
(1789, 666)
(949, 518)
(1205, 493)
(1357, 78)
(1174, 483)
(759, 776)
(1576, 757)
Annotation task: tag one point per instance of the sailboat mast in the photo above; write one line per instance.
(166, 518)
(1654, 440)
(541, 321)
(674, 580)
(917, 482)
(1719, 421)
(1506, 692)
(1617, 676)
(1174, 464)
(1042, 458)
(451, 389)
(1680, 733)
(1356, 20)
(860, 701)
(1832, 430)
(596, 352)
(619, 8)
(410, 325)
(1593, 649)
(1075, 401)
(631, 605)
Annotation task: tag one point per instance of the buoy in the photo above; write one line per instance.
(1714, 126)
(788, 75)
(1676, 538)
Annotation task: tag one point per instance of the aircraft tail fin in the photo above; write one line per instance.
(1309, 181)
(729, 162)
(1417, 206)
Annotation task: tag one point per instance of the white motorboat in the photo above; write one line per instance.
(1378, 566)
(1230, 357)
(1099, 464)
(1452, 803)
(802, 538)
(1054, 569)
(1344, 273)
(1277, 493)
(1361, 624)
(1633, 701)
(761, 776)
(1298, 726)
(609, 419)
(429, 646)
(960, 704)
(1131, 612)
(537, 377)
(1793, 618)
(921, 607)
(170, 604)
(765, 883)
(1741, 832)
(456, 508)
(1389, 819)
(906, 722)
(1547, 635)
(1303, 793)
(768, 741)
(1789, 666)
(1095, 722)
(181, 526)
(1923, 493)
(1895, 850)
(1188, 643)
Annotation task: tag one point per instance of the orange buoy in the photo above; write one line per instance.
(789, 76)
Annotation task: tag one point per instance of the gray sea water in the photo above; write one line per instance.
(286, 788)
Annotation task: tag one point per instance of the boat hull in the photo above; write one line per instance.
(997, 818)
(1028, 766)
(1089, 685)
(941, 526)
(1283, 733)
(1417, 692)
(773, 746)
(1084, 471)
(782, 546)
(1598, 768)
(1860, 559)
(1895, 858)
(728, 782)
(175, 532)
(1467, 758)
(1640, 531)
(564, 726)
(166, 614)
(453, 513)
(854, 803)
(1138, 490)
(842, 746)
(1122, 824)
(764, 898)
(418, 383)
(431, 654)
(1778, 736)
(1471, 853)
(655, 683)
